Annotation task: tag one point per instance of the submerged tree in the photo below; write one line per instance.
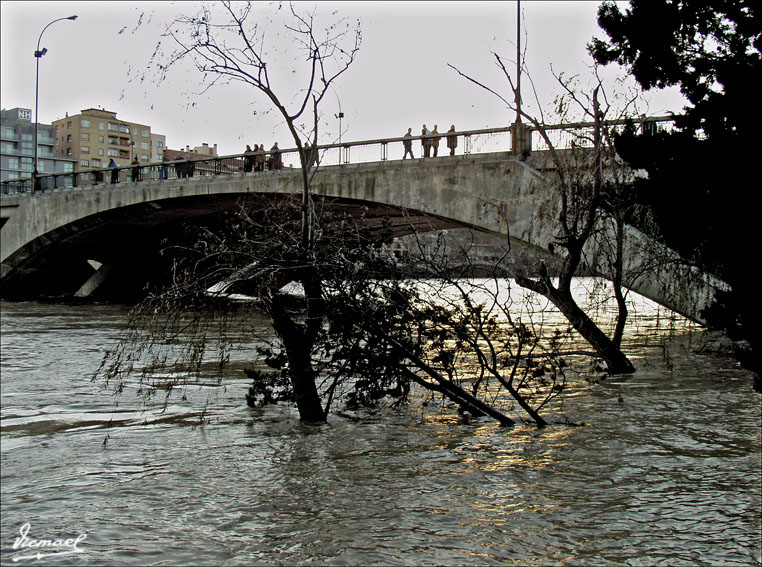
(233, 47)
(375, 327)
(360, 327)
(591, 212)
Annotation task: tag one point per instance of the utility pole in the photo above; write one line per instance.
(520, 141)
(518, 61)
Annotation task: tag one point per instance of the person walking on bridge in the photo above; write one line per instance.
(259, 158)
(276, 162)
(435, 140)
(180, 167)
(452, 140)
(426, 141)
(114, 171)
(408, 143)
(136, 170)
(248, 159)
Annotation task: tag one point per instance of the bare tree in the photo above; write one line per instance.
(233, 47)
(591, 188)
(357, 326)
(379, 325)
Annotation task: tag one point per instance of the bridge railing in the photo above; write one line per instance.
(564, 136)
(487, 140)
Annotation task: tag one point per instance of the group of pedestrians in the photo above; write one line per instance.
(257, 159)
(184, 167)
(136, 171)
(430, 141)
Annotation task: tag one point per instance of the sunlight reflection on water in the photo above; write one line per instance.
(665, 471)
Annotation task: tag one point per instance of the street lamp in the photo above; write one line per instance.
(37, 55)
(340, 115)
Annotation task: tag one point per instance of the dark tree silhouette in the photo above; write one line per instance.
(701, 170)
(375, 327)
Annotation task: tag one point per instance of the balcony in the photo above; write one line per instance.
(7, 134)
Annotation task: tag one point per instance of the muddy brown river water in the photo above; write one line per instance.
(665, 471)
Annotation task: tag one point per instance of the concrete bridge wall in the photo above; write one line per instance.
(494, 193)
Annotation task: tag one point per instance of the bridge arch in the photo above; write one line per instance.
(49, 237)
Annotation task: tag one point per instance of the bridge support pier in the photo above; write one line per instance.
(521, 140)
(102, 273)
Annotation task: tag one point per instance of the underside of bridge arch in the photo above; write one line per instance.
(114, 255)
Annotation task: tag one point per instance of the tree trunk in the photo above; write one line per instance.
(618, 278)
(299, 352)
(303, 381)
(616, 361)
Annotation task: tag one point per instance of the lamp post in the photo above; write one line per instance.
(340, 115)
(37, 54)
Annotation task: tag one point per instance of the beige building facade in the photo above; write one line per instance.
(95, 136)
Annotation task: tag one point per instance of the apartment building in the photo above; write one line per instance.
(94, 136)
(158, 145)
(17, 147)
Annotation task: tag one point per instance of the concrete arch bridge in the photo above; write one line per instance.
(102, 238)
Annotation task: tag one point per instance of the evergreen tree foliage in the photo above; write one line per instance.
(702, 185)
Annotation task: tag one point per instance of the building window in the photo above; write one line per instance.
(96, 162)
(145, 133)
(113, 127)
(101, 126)
(113, 152)
(100, 151)
(68, 138)
(143, 157)
(159, 144)
(68, 151)
(84, 123)
(84, 163)
(101, 139)
(68, 125)
(13, 175)
(84, 150)
(26, 164)
(26, 147)
(84, 136)
(134, 131)
(41, 166)
(145, 145)
(113, 140)
(13, 163)
(68, 166)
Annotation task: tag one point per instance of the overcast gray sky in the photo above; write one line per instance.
(400, 79)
